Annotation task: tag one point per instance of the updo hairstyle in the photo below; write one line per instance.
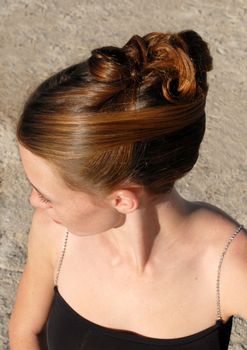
(131, 114)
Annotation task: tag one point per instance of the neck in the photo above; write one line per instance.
(154, 227)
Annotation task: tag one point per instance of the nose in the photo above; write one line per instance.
(32, 200)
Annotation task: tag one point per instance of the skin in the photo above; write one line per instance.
(158, 255)
(121, 217)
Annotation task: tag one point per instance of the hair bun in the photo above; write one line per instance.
(107, 64)
(136, 52)
(174, 63)
(198, 50)
(199, 53)
(110, 64)
(181, 61)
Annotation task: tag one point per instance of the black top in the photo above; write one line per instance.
(68, 330)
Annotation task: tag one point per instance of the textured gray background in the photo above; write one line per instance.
(39, 37)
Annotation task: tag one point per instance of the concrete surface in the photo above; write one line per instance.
(39, 37)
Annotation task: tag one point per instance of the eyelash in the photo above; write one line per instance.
(43, 199)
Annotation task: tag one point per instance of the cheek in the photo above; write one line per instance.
(87, 220)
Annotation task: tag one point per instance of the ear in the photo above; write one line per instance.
(126, 200)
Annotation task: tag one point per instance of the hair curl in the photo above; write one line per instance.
(124, 115)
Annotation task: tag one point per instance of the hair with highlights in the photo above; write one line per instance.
(131, 114)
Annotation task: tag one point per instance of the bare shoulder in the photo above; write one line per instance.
(35, 290)
(46, 233)
(215, 220)
(218, 227)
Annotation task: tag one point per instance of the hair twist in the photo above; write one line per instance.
(136, 52)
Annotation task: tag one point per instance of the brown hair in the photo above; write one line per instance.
(124, 115)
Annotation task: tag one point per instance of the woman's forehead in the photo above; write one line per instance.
(38, 170)
(32, 161)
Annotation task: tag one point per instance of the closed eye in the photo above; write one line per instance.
(43, 199)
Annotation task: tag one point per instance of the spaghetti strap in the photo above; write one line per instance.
(219, 316)
(61, 256)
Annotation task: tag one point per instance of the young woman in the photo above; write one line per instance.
(117, 258)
